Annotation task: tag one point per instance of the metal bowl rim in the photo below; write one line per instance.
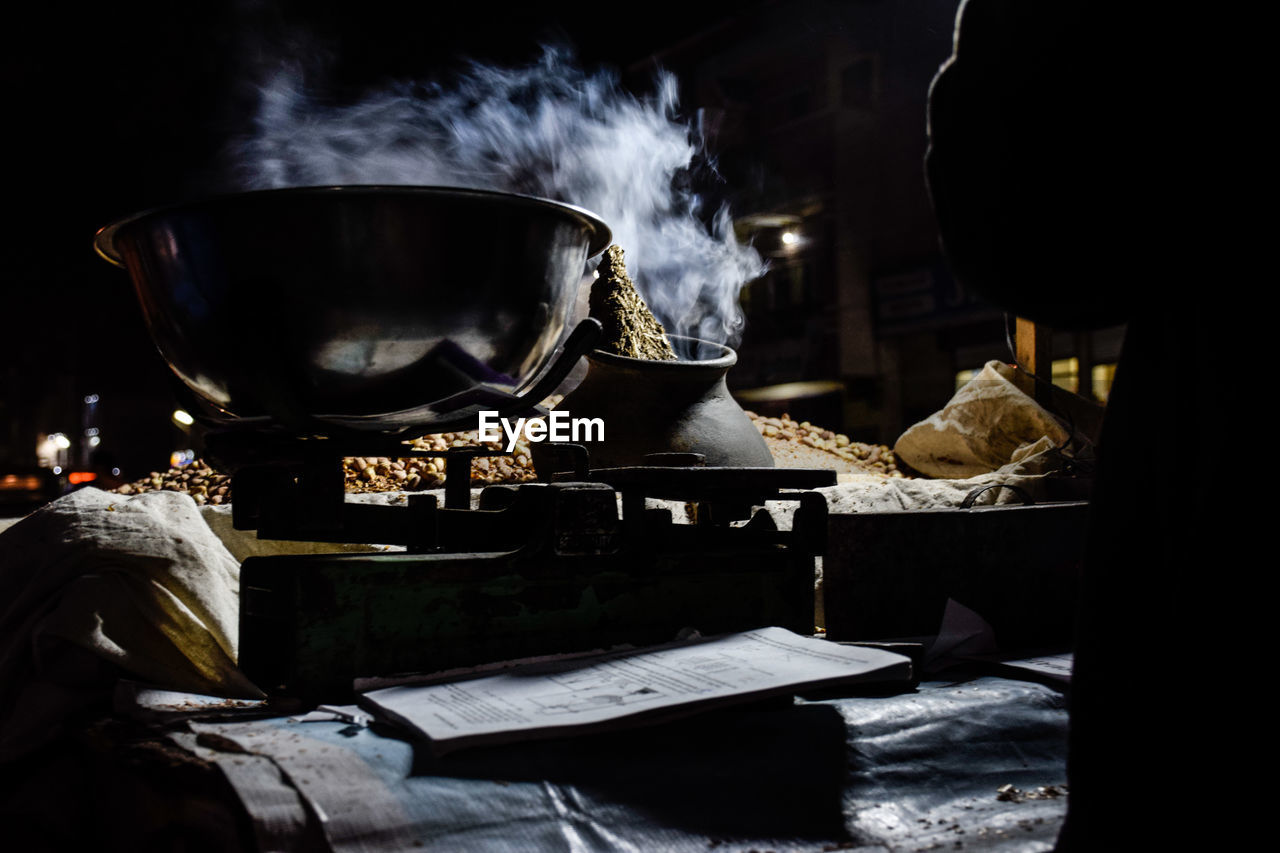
(601, 236)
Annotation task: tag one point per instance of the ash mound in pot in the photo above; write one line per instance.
(630, 329)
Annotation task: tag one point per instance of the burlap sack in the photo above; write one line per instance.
(989, 423)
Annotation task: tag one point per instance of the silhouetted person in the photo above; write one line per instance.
(1049, 167)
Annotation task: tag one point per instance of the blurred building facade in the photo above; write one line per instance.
(816, 112)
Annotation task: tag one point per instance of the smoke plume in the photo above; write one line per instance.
(550, 129)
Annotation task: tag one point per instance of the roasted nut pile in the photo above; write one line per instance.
(783, 431)
(197, 479)
(361, 474)
(381, 474)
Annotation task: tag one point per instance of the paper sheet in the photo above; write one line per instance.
(551, 699)
(1057, 667)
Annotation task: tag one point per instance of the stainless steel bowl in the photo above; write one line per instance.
(357, 306)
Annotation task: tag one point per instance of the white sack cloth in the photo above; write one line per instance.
(989, 423)
(1030, 470)
(138, 581)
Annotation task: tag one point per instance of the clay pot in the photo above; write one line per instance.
(666, 407)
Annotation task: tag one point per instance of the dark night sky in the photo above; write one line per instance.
(127, 106)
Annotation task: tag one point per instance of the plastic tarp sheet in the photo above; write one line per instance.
(921, 770)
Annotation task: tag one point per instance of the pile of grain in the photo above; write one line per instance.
(803, 445)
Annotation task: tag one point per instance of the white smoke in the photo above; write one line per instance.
(550, 130)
